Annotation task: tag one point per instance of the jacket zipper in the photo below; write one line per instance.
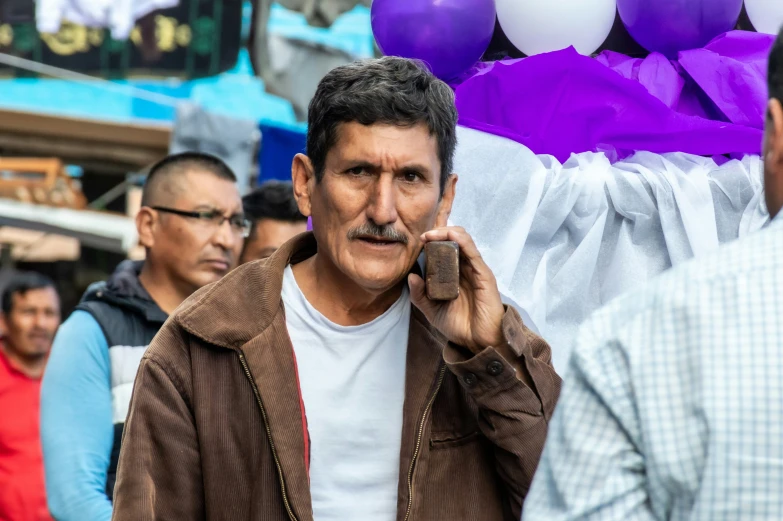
(418, 441)
(291, 515)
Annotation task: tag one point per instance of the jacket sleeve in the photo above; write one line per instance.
(516, 389)
(76, 421)
(159, 473)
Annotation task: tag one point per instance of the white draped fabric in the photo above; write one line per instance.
(565, 239)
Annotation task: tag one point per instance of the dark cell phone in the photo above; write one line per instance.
(441, 266)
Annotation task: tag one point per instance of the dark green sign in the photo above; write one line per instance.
(197, 38)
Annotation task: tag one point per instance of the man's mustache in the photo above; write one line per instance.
(382, 232)
(41, 333)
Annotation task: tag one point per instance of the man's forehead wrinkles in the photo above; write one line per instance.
(387, 147)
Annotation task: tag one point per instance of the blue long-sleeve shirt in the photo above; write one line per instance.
(77, 431)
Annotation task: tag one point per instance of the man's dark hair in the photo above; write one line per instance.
(389, 90)
(20, 284)
(177, 164)
(775, 76)
(272, 200)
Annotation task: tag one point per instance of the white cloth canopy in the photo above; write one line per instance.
(563, 240)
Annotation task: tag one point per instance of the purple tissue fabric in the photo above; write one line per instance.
(709, 102)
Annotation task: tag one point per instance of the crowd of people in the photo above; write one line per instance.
(91, 366)
(321, 383)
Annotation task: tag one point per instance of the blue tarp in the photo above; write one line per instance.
(236, 93)
(278, 148)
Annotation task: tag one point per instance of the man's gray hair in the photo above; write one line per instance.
(389, 90)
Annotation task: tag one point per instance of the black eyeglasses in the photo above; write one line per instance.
(239, 224)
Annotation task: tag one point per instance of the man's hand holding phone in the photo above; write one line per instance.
(473, 319)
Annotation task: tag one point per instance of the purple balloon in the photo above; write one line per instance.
(671, 26)
(450, 36)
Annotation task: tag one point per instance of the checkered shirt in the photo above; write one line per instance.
(672, 408)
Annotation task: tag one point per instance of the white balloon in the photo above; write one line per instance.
(765, 15)
(538, 26)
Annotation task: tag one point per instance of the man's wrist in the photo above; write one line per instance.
(494, 341)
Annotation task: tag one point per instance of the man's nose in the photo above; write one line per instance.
(42, 320)
(225, 236)
(382, 204)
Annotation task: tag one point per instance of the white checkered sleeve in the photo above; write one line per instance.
(672, 408)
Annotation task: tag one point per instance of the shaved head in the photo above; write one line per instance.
(191, 225)
(167, 179)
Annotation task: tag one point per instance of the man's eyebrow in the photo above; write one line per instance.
(350, 164)
(210, 208)
(415, 168)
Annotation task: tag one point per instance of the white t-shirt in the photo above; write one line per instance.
(353, 387)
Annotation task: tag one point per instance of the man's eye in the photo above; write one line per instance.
(411, 177)
(357, 170)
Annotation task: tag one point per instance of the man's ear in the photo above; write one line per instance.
(773, 148)
(446, 201)
(3, 324)
(146, 224)
(303, 178)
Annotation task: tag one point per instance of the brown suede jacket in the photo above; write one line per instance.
(216, 430)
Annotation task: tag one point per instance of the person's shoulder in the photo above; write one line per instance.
(686, 290)
(228, 287)
(99, 311)
(170, 344)
(208, 318)
(233, 310)
(759, 252)
(5, 373)
(81, 327)
(79, 348)
(93, 291)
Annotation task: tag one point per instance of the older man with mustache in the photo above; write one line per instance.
(322, 383)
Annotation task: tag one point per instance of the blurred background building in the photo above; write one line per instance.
(89, 99)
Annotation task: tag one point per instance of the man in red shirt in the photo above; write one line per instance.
(30, 317)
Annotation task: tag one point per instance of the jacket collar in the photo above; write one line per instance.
(240, 306)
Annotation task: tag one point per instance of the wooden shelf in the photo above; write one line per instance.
(113, 147)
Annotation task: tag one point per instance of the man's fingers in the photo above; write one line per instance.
(457, 234)
(419, 295)
(441, 234)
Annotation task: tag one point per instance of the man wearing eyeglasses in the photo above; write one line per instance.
(192, 226)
